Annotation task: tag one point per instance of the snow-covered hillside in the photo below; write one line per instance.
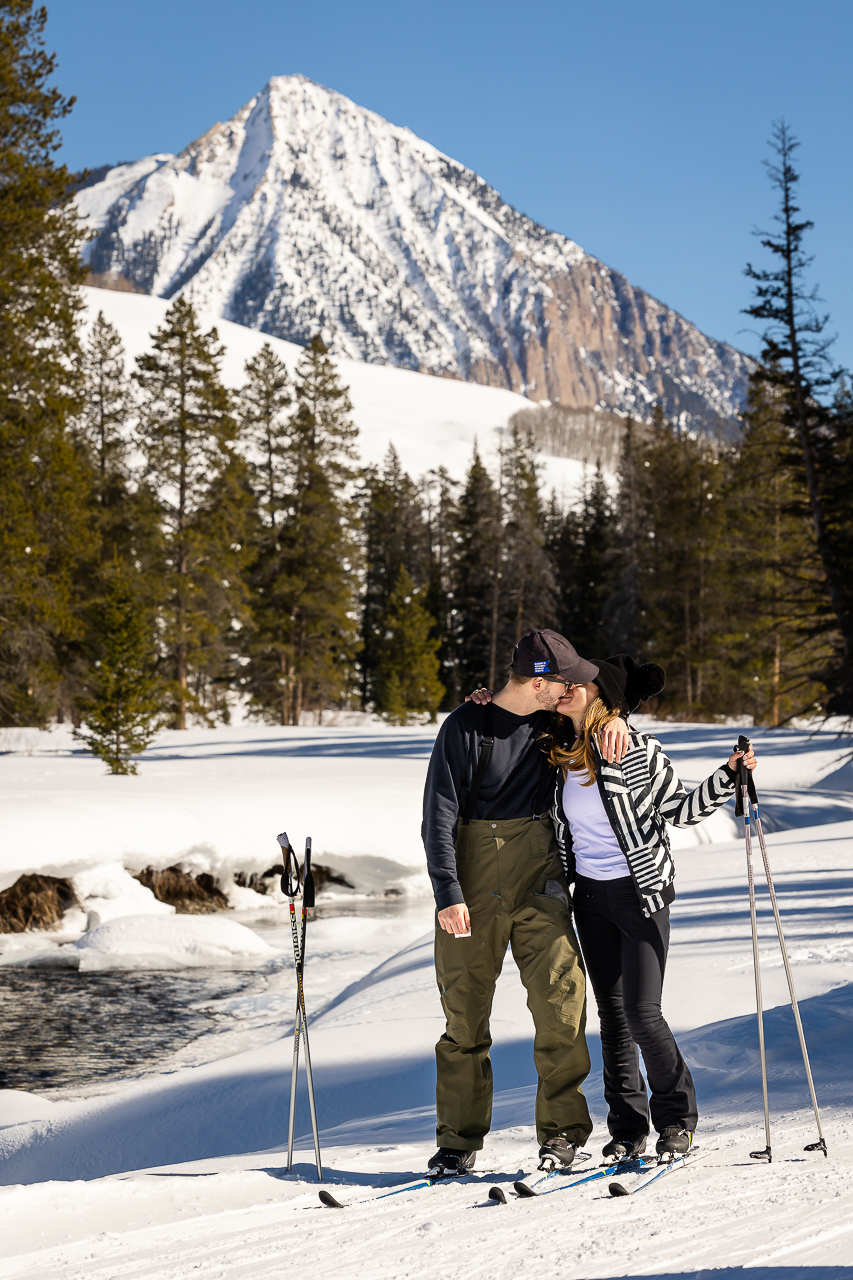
(306, 212)
(431, 422)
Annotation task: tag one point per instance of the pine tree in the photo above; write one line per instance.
(478, 571)
(778, 606)
(305, 631)
(395, 537)
(187, 434)
(527, 574)
(621, 618)
(795, 358)
(441, 511)
(263, 400)
(44, 479)
(406, 680)
(124, 709)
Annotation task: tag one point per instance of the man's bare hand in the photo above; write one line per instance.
(614, 741)
(455, 919)
(480, 696)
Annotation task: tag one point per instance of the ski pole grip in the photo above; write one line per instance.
(307, 877)
(744, 777)
(291, 875)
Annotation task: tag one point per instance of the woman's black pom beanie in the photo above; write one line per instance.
(624, 682)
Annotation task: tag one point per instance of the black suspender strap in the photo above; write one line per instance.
(482, 764)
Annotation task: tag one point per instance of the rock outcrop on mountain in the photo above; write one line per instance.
(306, 212)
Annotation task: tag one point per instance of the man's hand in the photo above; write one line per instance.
(480, 696)
(455, 919)
(748, 759)
(614, 741)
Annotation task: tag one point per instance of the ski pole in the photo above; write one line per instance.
(308, 901)
(294, 878)
(820, 1145)
(742, 808)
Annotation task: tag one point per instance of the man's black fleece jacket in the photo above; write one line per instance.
(515, 781)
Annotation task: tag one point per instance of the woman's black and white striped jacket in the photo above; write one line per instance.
(640, 796)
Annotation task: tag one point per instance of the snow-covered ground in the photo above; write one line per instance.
(182, 1172)
(428, 419)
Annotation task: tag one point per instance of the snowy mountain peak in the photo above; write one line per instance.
(306, 212)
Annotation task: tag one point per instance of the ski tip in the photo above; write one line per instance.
(616, 1189)
(329, 1200)
(497, 1194)
(522, 1189)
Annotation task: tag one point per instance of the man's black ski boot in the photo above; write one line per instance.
(557, 1151)
(448, 1160)
(624, 1148)
(674, 1141)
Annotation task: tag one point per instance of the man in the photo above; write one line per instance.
(498, 881)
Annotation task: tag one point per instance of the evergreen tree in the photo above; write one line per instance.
(44, 478)
(795, 357)
(477, 590)
(263, 400)
(305, 630)
(440, 506)
(187, 434)
(778, 606)
(124, 708)
(395, 537)
(527, 574)
(406, 679)
(621, 619)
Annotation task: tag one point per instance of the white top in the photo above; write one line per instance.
(597, 852)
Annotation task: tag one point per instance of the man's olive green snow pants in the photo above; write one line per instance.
(503, 868)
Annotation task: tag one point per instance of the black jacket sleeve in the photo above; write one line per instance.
(446, 779)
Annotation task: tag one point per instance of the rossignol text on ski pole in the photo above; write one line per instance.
(750, 793)
(293, 879)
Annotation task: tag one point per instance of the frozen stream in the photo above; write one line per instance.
(67, 1032)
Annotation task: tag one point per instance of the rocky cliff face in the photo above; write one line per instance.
(306, 212)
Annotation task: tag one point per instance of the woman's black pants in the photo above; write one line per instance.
(625, 956)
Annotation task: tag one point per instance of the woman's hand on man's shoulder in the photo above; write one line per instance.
(480, 696)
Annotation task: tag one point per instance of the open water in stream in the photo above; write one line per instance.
(64, 1032)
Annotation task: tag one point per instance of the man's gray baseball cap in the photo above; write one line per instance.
(547, 653)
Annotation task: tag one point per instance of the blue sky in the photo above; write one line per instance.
(638, 129)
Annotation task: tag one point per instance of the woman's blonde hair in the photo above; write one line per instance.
(580, 757)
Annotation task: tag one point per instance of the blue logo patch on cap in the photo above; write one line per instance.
(539, 668)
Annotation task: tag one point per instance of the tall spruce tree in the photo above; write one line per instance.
(262, 402)
(305, 630)
(406, 678)
(795, 359)
(395, 537)
(438, 493)
(45, 483)
(187, 433)
(478, 576)
(527, 573)
(124, 708)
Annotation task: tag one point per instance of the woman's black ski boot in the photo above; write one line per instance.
(627, 1148)
(674, 1141)
(557, 1151)
(449, 1160)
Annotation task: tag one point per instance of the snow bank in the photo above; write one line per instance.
(172, 943)
(107, 892)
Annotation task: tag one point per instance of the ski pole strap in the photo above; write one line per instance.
(482, 764)
(292, 878)
(744, 779)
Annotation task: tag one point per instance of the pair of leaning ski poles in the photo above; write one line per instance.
(295, 878)
(746, 799)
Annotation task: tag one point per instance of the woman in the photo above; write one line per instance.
(611, 828)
